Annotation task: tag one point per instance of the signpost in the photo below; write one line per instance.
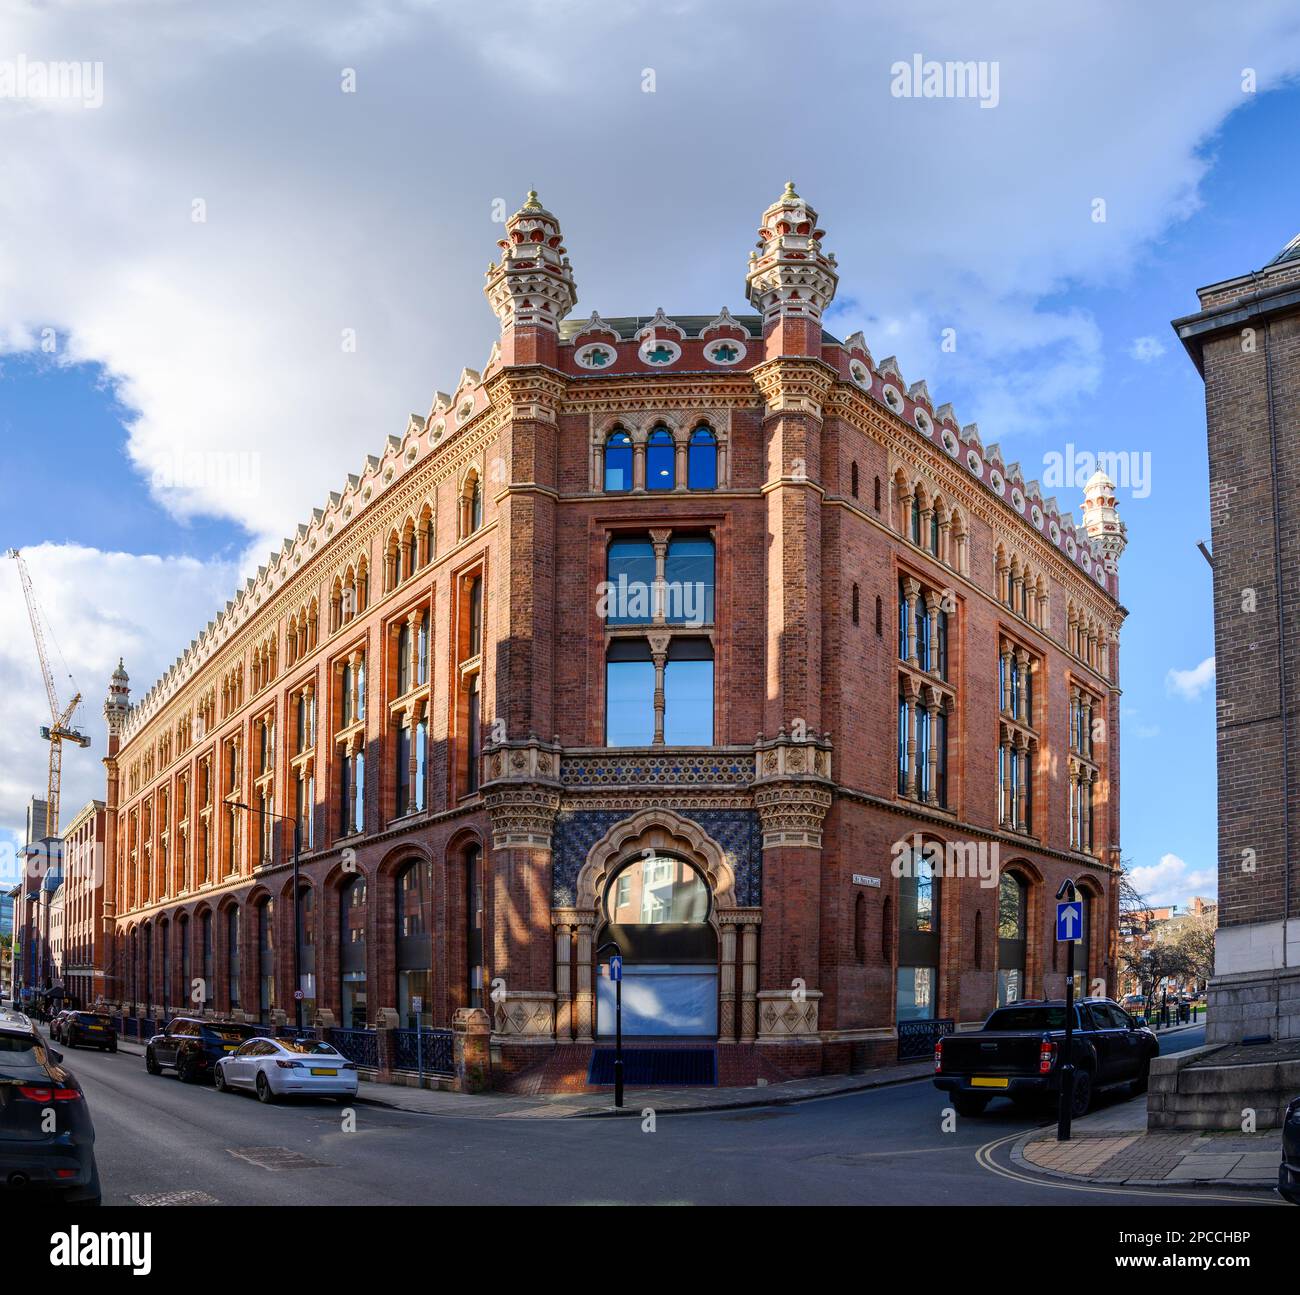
(1069, 930)
(616, 975)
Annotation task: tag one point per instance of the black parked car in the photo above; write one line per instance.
(191, 1046)
(87, 1029)
(1288, 1172)
(33, 1082)
(1018, 1054)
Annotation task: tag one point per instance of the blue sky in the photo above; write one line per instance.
(373, 211)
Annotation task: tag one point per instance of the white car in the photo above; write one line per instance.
(287, 1068)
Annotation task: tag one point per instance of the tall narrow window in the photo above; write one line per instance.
(853, 480)
(618, 462)
(629, 694)
(404, 659)
(472, 733)
(688, 574)
(660, 461)
(205, 929)
(422, 651)
(476, 505)
(352, 954)
(266, 960)
(474, 924)
(630, 578)
(403, 769)
(702, 460)
(688, 693)
(475, 644)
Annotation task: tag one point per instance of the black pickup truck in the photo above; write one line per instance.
(1018, 1055)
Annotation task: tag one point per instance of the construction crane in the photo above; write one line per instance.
(59, 730)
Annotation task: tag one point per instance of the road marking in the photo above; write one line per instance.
(275, 1158)
(984, 1157)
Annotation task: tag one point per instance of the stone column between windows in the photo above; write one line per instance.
(1074, 805)
(597, 465)
(1008, 707)
(945, 540)
(932, 709)
(679, 460)
(584, 1001)
(1022, 692)
(1021, 756)
(638, 461)
(412, 796)
(1085, 808)
(932, 603)
(413, 651)
(1085, 737)
(911, 698)
(912, 594)
(659, 655)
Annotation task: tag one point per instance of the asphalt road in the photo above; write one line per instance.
(157, 1136)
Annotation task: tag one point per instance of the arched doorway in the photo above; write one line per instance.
(657, 908)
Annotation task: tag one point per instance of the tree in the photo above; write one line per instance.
(1193, 935)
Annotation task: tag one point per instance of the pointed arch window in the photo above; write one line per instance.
(702, 460)
(618, 461)
(660, 460)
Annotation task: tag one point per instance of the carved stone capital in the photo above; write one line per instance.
(796, 386)
(518, 762)
(523, 815)
(792, 813)
(782, 1015)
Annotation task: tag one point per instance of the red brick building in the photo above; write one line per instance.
(707, 636)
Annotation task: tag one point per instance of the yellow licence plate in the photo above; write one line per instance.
(229, 1047)
(989, 1083)
(316, 1071)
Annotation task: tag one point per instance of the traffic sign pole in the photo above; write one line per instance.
(616, 975)
(1069, 926)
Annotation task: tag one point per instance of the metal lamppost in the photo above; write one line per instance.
(616, 972)
(297, 905)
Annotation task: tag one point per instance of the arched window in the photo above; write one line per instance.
(915, 524)
(917, 981)
(660, 460)
(307, 951)
(265, 961)
(352, 954)
(1012, 904)
(618, 461)
(414, 947)
(656, 908)
(702, 460)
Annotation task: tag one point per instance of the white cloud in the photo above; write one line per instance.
(1190, 684)
(1146, 349)
(1171, 881)
(372, 211)
(97, 606)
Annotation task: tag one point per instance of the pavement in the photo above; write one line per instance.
(1114, 1146)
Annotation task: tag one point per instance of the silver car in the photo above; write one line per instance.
(274, 1068)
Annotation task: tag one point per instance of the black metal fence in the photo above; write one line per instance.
(431, 1051)
(359, 1046)
(916, 1039)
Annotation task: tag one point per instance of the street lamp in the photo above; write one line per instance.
(297, 908)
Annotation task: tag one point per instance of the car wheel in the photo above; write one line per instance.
(185, 1069)
(112, 1047)
(1082, 1102)
(219, 1080)
(969, 1104)
(1139, 1085)
(151, 1062)
(264, 1093)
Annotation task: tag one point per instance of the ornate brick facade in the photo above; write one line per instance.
(895, 635)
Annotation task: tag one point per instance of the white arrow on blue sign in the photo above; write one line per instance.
(616, 968)
(1069, 921)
